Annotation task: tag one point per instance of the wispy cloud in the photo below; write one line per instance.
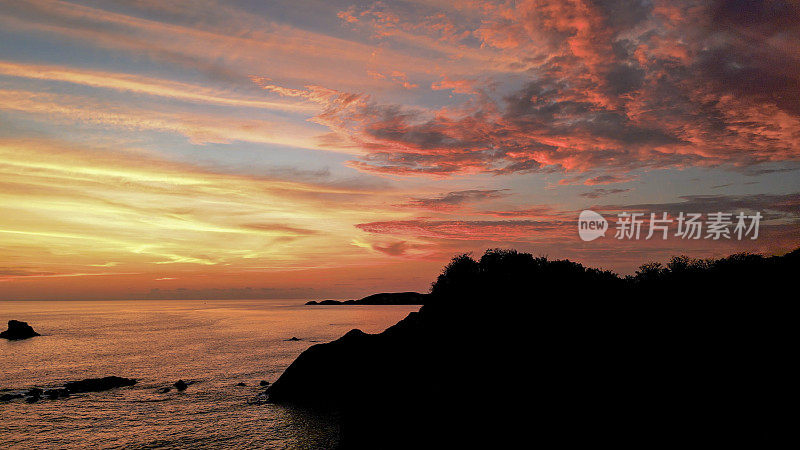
(199, 128)
(141, 84)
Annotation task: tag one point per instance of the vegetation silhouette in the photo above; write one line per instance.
(512, 348)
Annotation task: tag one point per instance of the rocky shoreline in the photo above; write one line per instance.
(94, 385)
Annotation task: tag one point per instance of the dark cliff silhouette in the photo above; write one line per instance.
(514, 349)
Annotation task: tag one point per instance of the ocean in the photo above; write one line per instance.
(213, 344)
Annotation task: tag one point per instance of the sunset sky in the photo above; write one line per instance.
(332, 149)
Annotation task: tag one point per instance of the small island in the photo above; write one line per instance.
(18, 330)
(384, 298)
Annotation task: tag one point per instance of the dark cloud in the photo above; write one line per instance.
(623, 14)
(597, 193)
(535, 211)
(766, 16)
(608, 179)
(452, 199)
(624, 78)
(394, 249)
(772, 206)
(21, 272)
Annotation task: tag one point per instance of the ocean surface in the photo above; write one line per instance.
(213, 343)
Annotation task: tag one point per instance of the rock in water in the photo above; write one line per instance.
(54, 394)
(33, 395)
(9, 397)
(98, 384)
(34, 392)
(18, 330)
(180, 385)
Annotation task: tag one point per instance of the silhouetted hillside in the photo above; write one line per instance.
(516, 349)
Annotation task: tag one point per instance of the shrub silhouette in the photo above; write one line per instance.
(515, 275)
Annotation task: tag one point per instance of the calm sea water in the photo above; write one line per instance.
(214, 343)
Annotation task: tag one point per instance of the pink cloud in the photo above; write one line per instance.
(457, 86)
(613, 87)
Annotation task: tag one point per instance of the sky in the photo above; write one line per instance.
(333, 149)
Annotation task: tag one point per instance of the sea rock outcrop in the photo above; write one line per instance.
(98, 384)
(35, 394)
(18, 330)
(9, 397)
(54, 394)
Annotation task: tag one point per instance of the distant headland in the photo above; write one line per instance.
(384, 298)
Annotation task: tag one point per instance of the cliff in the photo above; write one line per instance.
(520, 349)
